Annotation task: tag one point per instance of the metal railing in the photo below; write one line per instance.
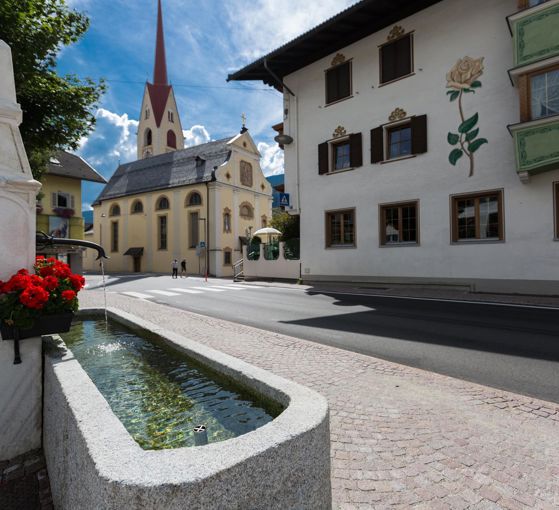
(238, 270)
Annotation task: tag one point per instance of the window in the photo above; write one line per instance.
(147, 137)
(399, 141)
(227, 257)
(396, 59)
(227, 220)
(114, 210)
(170, 116)
(399, 224)
(338, 82)
(137, 207)
(62, 200)
(264, 221)
(404, 138)
(246, 174)
(162, 204)
(194, 230)
(146, 116)
(340, 228)
(478, 217)
(171, 139)
(246, 211)
(544, 94)
(340, 154)
(556, 200)
(162, 232)
(194, 199)
(114, 236)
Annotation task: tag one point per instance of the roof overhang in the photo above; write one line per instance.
(349, 26)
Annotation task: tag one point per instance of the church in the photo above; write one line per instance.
(197, 204)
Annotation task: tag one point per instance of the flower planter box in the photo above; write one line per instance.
(45, 325)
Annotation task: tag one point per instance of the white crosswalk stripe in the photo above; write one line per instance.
(186, 291)
(163, 292)
(227, 287)
(211, 289)
(138, 295)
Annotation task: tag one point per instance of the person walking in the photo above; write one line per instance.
(183, 268)
(175, 266)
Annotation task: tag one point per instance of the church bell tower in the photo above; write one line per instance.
(160, 129)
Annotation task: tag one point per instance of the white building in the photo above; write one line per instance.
(425, 142)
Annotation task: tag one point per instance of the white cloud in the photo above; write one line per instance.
(272, 158)
(125, 147)
(195, 136)
(87, 207)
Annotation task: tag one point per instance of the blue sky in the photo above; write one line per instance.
(205, 40)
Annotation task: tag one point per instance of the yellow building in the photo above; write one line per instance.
(196, 204)
(59, 210)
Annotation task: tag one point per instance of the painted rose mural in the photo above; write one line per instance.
(463, 79)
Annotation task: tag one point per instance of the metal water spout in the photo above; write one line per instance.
(43, 240)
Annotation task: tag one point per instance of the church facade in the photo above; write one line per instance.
(196, 204)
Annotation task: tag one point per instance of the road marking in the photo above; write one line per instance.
(163, 292)
(211, 289)
(186, 291)
(138, 295)
(228, 287)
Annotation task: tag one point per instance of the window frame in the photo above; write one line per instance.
(226, 225)
(158, 204)
(391, 128)
(328, 234)
(133, 207)
(227, 251)
(112, 213)
(114, 238)
(191, 245)
(162, 246)
(528, 90)
(412, 58)
(250, 216)
(188, 201)
(349, 63)
(382, 222)
(64, 194)
(476, 196)
(333, 146)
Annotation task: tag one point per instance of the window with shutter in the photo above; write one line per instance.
(377, 145)
(338, 82)
(340, 154)
(396, 59)
(401, 139)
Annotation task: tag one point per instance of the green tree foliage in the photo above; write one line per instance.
(287, 224)
(57, 110)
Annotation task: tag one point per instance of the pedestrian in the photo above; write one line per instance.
(183, 268)
(175, 266)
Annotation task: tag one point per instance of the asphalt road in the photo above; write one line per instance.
(508, 347)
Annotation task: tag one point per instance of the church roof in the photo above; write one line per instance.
(173, 169)
(349, 26)
(69, 165)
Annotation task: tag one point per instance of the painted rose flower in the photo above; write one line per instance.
(464, 73)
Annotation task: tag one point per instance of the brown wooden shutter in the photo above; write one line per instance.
(377, 145)
(323, 158)
(54, 200)
(419, 134)
(355, 150)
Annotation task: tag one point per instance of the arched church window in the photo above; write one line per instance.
(246, 211)
(137, 207)
(114, 210)
(194, 199)
(226, 220)
(171, 139)
(147, 137)
(162, 204)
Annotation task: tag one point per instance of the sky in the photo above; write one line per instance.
(205, 40)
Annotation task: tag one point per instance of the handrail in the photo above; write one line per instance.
(238, 269)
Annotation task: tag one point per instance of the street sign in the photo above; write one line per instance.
(284, 199)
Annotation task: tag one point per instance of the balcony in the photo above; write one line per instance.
(536, 146)
(535, 33)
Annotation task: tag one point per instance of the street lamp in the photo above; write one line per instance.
(207, 257)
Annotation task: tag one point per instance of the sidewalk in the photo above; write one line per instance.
(401, 437)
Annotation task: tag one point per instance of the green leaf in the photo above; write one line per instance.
(471, 135)
(453, 94)
(453, 138)
(455, 155)
(476, 144)
(476, 85)
(469, 91)
(468, 124)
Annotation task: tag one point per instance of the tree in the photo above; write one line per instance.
(287, 224)
(57, 110)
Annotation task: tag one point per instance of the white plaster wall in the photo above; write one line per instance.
(262, 268)
(443, 33)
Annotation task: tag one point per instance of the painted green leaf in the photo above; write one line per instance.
(476, 85)
(476, 144)
(453, 94)
(468, 124)
(455, 155)
(471, 135)
(453, 138)
(469, 91)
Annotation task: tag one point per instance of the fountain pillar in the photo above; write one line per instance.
(20, 385)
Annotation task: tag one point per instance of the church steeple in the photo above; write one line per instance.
(160, 67)
(160, 129)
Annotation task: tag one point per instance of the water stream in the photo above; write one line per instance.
(104, 291)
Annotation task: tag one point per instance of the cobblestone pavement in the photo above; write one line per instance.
(401, 437)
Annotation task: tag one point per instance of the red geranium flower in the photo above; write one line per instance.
(50, 282)
(34, 297)
(62, 270)
(68, 295)
(77, 281)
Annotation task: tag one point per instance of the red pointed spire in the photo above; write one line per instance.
(160, 67)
